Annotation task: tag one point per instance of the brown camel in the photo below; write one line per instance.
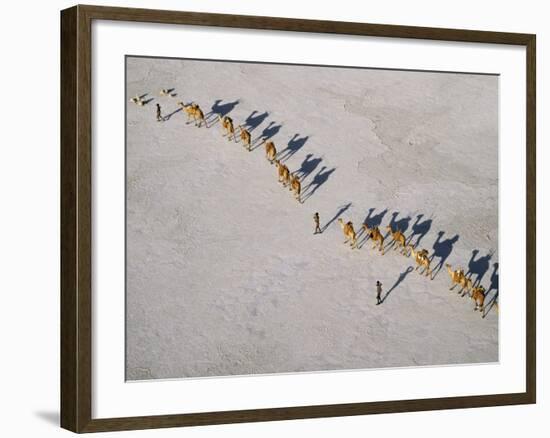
(478, 295)
(422, 260)
(193, 111)
(227, 127)
(284, 173)
(246, 138)
(398, 239)
(296, 187)
(456, 276)
(376, 236)
(270, 151)
(349, 232)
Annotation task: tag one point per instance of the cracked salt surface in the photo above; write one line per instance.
(224, 274)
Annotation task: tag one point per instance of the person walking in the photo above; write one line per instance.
(159, 114)
(316, 220)
(378, 293)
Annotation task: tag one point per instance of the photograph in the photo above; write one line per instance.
(289, 218)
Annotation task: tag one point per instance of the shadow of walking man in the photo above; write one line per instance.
(399, 280)
(339, 213)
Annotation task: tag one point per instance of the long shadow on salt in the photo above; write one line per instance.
(318, 180)
(442, 250)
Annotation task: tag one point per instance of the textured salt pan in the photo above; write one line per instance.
(224, 274)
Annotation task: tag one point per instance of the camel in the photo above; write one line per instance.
(296, 187)
(246, 138)
(227, 126)
(456, 276)
(478, 295)
(193, 110)
(422, 259)
(164, 92)
(137, 100)
(376, 236)
(398, 239)
(349, 232)
(467, 285)
(284, 173)
(270, 151)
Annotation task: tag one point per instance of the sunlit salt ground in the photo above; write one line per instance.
(224, 274)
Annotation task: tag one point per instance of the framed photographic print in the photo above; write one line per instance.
(270, 218)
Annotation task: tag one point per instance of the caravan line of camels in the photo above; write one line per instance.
(396, 237)
(286, 177)
(421, 258)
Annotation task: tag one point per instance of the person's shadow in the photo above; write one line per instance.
(255, 119)
(307, 167)
(293, 146)
(442, 250)
(399, 280)
(478, 266)
(419, 229)
(339, 213)
(318, 180)
(167, 116)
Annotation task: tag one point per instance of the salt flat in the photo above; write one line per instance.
(224, 274)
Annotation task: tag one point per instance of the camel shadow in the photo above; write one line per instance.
(307, 167)
(419, 229)
(399, 280)
(339, 213)
(145, 102)
(270, 131)
(478, 266)
(254, 120)
(220, 109)
(401, 224)
(293, 146)
(318, 180)
(493, 287)
(371, 222)
(442, 250)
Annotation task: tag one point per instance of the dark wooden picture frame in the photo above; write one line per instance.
(76, 218)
